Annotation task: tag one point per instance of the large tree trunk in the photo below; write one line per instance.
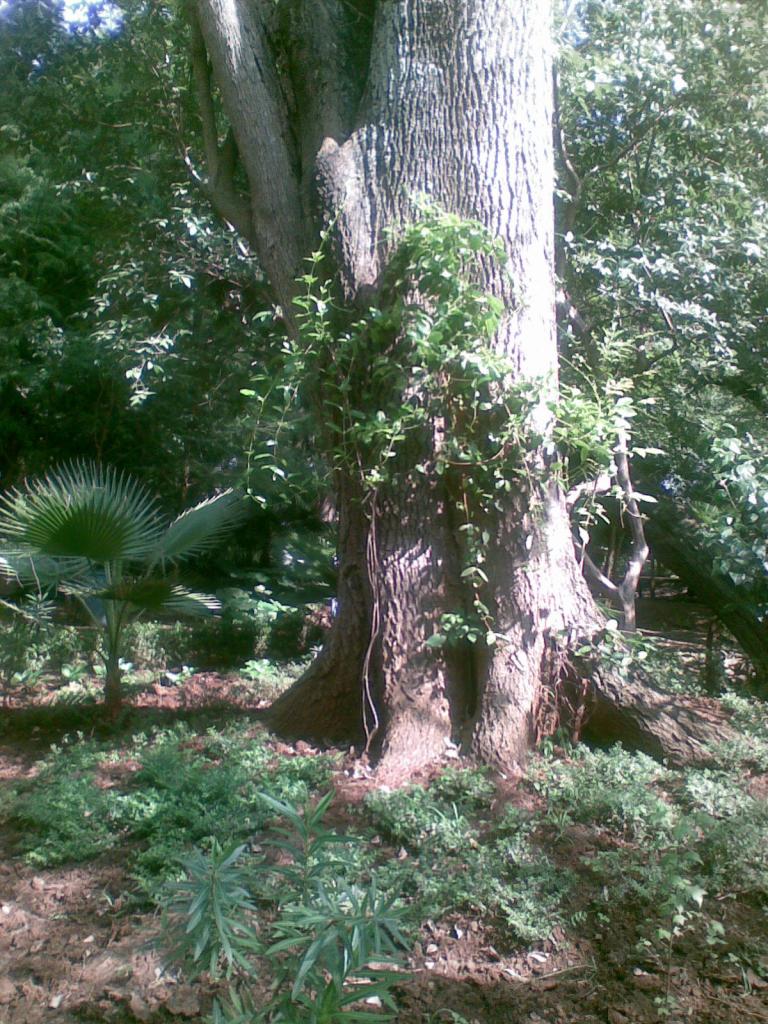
(342, 111)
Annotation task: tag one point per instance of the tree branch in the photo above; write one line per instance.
(639, 551)
(219, 185)
(598, 578)
(575, 183)
(600, 485)
(740, 386)
(621, 594)
(245, 69)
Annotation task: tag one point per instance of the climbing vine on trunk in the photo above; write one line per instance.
(415, 386)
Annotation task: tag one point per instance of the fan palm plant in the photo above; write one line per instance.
(97, 534)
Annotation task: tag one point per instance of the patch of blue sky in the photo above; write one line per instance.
(83, 15)
(94, 15)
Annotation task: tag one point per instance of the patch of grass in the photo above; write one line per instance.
(157, 794)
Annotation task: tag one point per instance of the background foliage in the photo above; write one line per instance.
(662, 213)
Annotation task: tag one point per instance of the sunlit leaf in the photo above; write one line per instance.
(201, 527)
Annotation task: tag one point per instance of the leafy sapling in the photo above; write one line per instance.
(332, 946)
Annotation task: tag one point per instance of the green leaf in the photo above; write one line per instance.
(697, 894)
(436, 640)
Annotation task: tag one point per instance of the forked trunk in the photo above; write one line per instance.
(457, 106)
(341, 113)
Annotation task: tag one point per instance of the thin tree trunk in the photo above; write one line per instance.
(674, 543)
(113, 688)
(714, 669)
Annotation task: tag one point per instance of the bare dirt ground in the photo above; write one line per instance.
(72, 951)
(67, 953)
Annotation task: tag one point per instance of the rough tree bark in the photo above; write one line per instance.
(341, 111)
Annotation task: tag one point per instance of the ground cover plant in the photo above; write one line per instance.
(602, 864)
(458, 855)
(154, 795)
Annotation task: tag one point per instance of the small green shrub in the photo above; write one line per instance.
(150, 644)
(65, 818)
(175, 791)
(733, 853)
(651, 875)
(73, 647)
(209, 915)
(715, 793)
(321, 945)
(245, 631)
(414, 819)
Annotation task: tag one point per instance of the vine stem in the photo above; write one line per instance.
(370, 714)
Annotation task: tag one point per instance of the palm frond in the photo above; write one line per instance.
(189, 602)
(149, 593)
(40, 571)
(82, 511)
(154, 594)
(201, 527)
